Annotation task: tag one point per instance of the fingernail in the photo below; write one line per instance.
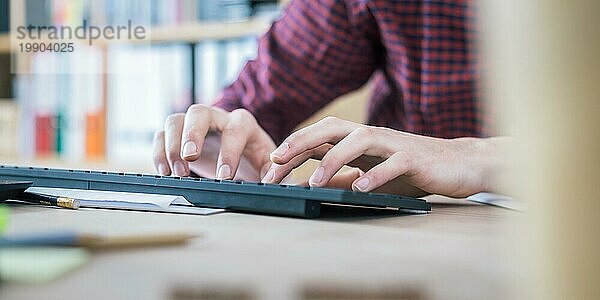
(317, 176)
(179, 168)
(189, 149)
(269, 176)
(362, 184)
(281, 150)
(162, 169)
(224, 172)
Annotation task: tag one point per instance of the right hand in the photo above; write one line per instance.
(186, 143)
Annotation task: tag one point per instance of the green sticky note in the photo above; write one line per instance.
(39, 264)
(3, 218)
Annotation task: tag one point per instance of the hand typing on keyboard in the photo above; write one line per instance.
(389, 161)
(212, 142)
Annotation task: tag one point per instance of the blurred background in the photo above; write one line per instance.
(99, 106)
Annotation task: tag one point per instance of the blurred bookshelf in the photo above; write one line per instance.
(98, 107)
(209, 30)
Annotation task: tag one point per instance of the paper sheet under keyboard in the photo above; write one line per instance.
(128, 201)
(499, 200)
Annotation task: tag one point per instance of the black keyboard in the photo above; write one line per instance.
(243, 196)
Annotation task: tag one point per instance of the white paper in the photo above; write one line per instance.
(128, 201)
(498, 200)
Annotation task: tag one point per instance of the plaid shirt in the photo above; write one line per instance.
(418, 54)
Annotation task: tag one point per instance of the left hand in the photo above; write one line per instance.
(391, 161)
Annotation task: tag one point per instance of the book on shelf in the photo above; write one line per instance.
(83, 106)
(45, 98)
(38, 12)
(223, 10)
(6, 89)
(4, 16)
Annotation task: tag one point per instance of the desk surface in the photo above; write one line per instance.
(458, 251)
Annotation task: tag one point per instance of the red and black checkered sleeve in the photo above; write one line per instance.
(315, 52)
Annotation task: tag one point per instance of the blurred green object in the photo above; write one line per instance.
(3, 218)
(39, 264)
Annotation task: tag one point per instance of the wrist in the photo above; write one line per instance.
(486, 159)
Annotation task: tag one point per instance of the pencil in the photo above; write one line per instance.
(96, 242)
(49, 200)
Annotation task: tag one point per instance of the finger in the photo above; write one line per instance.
(173, 130)
(245, 142)
(160, 158)
(195, 127)
(397, 165)
(328, 130)
(342, 180)
(199, 119)
(258, 148)
(348, 149)
(278, 172)
(234, 138)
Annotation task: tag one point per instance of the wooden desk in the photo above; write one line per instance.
(459, 251)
